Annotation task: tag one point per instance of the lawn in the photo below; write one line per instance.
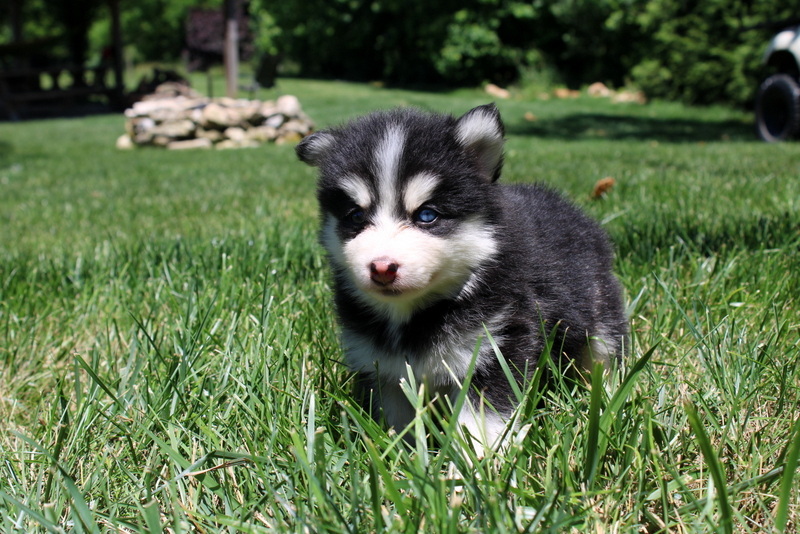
(169, 358)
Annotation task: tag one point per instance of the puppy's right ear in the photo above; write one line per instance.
(480, 131)
(313, 148)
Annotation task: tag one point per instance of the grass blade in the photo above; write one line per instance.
(41, 519)
(512, 381)
(592, 450)
(787, 485)
(714, 466)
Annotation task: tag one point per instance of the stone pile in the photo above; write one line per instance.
(179, 122)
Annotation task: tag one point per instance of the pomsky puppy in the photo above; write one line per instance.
(426, 248)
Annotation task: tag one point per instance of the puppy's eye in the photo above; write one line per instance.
(357, 216)
(426, 216)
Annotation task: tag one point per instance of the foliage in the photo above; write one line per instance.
(389, 40)
(169, 358)
(64, 24)
(37, 20)
(153, 30)
(455, 42)
(156, 27)
(590, 40)
(701, 52)
(706, 52)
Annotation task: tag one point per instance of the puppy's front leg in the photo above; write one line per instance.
(384, 400)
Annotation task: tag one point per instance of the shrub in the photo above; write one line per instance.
(705, 52)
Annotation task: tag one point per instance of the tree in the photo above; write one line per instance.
(708, 51)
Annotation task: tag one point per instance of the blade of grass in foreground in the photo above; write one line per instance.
(592, 452)
(36, 516)
(600, 425)
(714, 466)
(782, 513)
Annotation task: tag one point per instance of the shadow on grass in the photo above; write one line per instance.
(582, 126)
(6, 149)
(645, 238)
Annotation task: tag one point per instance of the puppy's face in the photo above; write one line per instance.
(403, 196)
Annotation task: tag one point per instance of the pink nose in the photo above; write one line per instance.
(383, 271)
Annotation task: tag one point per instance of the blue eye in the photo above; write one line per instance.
(426, 215)
(357, 216)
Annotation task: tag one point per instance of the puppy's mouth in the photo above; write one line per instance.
(389, 292)
(397, 290)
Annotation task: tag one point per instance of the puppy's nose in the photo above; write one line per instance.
(383, 271)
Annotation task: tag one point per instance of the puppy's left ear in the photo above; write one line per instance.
(312, 148)
(480, 131)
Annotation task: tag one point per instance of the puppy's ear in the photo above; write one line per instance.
(313, 147)
(480, 131)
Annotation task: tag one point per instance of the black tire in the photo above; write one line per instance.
(778, 108)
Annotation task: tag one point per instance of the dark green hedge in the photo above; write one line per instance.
(698, 51)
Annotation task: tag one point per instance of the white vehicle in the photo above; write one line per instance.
(778, 98)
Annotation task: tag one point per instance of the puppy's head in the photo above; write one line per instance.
(406, 201)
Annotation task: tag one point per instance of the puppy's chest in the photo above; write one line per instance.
(441, 356)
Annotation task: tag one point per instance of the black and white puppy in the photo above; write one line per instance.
(426, 248)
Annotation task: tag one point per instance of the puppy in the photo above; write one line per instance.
(427, 249)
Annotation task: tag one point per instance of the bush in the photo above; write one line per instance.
(705, 52)
(154, 29)
(453, 42)
(355, 39)
(700, 52)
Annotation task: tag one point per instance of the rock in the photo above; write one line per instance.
(275, 121)
(230, 143)
(147, 107)
(175, 129)
(212, 135)
(250, 114)
(496, 91)
(225, 144)
(228, 102)
(219, 117)
(636, 97)
(265, 110)
(296, 125)
(563, 92)
(171, 90)
(198, 142)
(161, 140)
(305, 118)
(289, 105)
(262, 133)
(172, 115)
(599, 89)
(195, 115)
(143, 138)
(139, 125)
(226, 122)
(124, 142)
(288, 138)
(235, 134)
(142, 109)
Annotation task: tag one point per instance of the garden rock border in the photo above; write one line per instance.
(187, 120)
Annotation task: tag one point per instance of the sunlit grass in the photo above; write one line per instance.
(168, 352)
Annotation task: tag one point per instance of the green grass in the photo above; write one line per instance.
(169, 359)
